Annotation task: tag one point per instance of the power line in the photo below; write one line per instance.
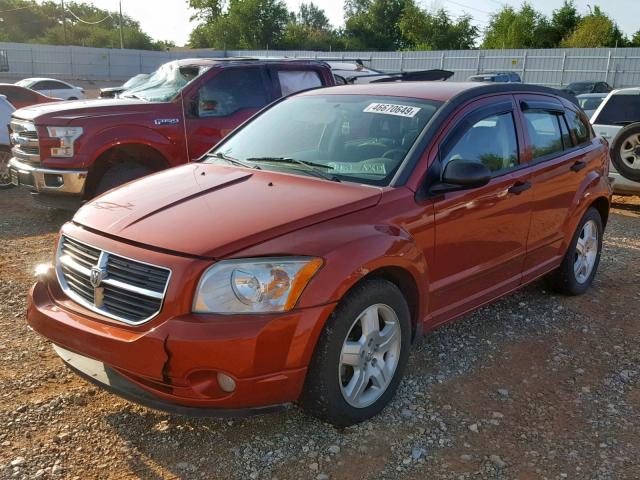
(86, 22)
(467, 6)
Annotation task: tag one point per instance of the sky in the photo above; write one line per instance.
(169, 19)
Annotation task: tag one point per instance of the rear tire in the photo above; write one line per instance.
(361, 355)
(119, 174)
(5, 175)
(625, 152)
(580, 263)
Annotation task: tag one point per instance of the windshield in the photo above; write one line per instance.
(135, 81)
(166, 82)
(25, 83)
(590, 103)
(356, 138)
(578, 88)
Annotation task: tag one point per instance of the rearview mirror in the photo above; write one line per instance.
(461, 175)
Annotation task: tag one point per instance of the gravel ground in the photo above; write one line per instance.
(534, 386)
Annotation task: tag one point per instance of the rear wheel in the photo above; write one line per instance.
(625, 152)
(5, 175)
(119, 174)
(360, 356)
(580, 263)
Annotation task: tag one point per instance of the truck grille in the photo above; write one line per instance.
(117, 287)
(24, 138)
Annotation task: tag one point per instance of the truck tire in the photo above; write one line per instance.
(5, 176)
(119, 174)
(360, 356)
(625, 152)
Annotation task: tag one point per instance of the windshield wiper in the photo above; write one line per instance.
(309, 166)
(232, 160)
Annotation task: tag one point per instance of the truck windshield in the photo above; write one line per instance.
(165, 83)
(355, 138)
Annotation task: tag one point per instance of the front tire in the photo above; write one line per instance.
(5, 175)
(580, 263)
(361, 355)
(119, 174)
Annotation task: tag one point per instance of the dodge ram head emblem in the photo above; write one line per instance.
(96, 276)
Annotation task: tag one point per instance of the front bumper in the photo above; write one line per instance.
(46, 180)
(176, 362)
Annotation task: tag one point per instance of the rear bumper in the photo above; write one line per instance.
(48, 181)
(177, 362)
(623, 186)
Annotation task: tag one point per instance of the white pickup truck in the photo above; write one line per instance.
(617, 119)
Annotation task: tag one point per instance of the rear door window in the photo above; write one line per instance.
(231, 90)
(619, 110)
(545, 136)
(292, 81)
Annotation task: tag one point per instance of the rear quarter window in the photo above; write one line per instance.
(619, 110)
(579, 127)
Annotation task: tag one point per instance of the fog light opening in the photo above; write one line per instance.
(227, 384)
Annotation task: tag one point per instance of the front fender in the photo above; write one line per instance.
(111, 137)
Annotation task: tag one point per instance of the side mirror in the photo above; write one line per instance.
(461, 175)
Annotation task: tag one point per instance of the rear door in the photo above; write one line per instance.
(561, 153)
(481, 233)
(221, 103)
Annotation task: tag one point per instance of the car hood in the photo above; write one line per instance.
(213, 210)
(65, 112)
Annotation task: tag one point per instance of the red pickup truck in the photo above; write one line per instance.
(68, 152)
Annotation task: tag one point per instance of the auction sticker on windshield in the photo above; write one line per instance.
(392, 109)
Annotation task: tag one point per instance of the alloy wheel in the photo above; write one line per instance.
(630, 151)
(370, 355)
(586, 252)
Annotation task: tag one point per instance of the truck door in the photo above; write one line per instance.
(221, 103)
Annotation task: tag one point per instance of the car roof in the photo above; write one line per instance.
(249, 60)
(438, 90)
(626, 91)
(593, 95)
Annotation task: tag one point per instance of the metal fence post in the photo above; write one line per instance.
(478, 63)
(564, 61)
(33, 65)
(606, 75)
(524, 65)
(109, 65)
(402, 61)
(71, 62)
(140, 55)
(442, 61)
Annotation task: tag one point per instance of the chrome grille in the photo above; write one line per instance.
(24, 138)
(117, 287)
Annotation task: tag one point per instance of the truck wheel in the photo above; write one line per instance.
(360, 356)
(580, 263)
(625, 152)
(5, 175)
(120, 174)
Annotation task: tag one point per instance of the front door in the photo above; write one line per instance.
(221, 104)
(481, 233)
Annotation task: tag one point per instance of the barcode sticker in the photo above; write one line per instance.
(392, 109)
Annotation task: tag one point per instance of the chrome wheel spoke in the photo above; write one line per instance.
(356, 385)
(352, 353)
(370, 322)
(388, 337)
(580, 246)
(379, 378)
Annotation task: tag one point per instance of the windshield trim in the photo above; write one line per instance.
(393, 182)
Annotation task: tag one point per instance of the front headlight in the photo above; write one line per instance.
(67, 137)
(255, 285)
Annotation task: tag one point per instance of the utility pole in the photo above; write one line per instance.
(121, 32)
(64, 22)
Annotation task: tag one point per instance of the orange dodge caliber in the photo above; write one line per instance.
(301, 257)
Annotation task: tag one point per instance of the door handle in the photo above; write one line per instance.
(579, 165)
(519, 187)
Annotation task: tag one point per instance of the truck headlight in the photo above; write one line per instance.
(255, 285)
(67, 137)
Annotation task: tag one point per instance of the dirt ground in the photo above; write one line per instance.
(536, 386)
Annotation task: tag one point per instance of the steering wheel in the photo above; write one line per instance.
(395, 153)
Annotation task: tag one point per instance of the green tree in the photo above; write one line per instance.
(309, 29)
(564, 21)
(523, 28)
(436, 31)
(249, 24)
(595, 30)
(375, 24)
